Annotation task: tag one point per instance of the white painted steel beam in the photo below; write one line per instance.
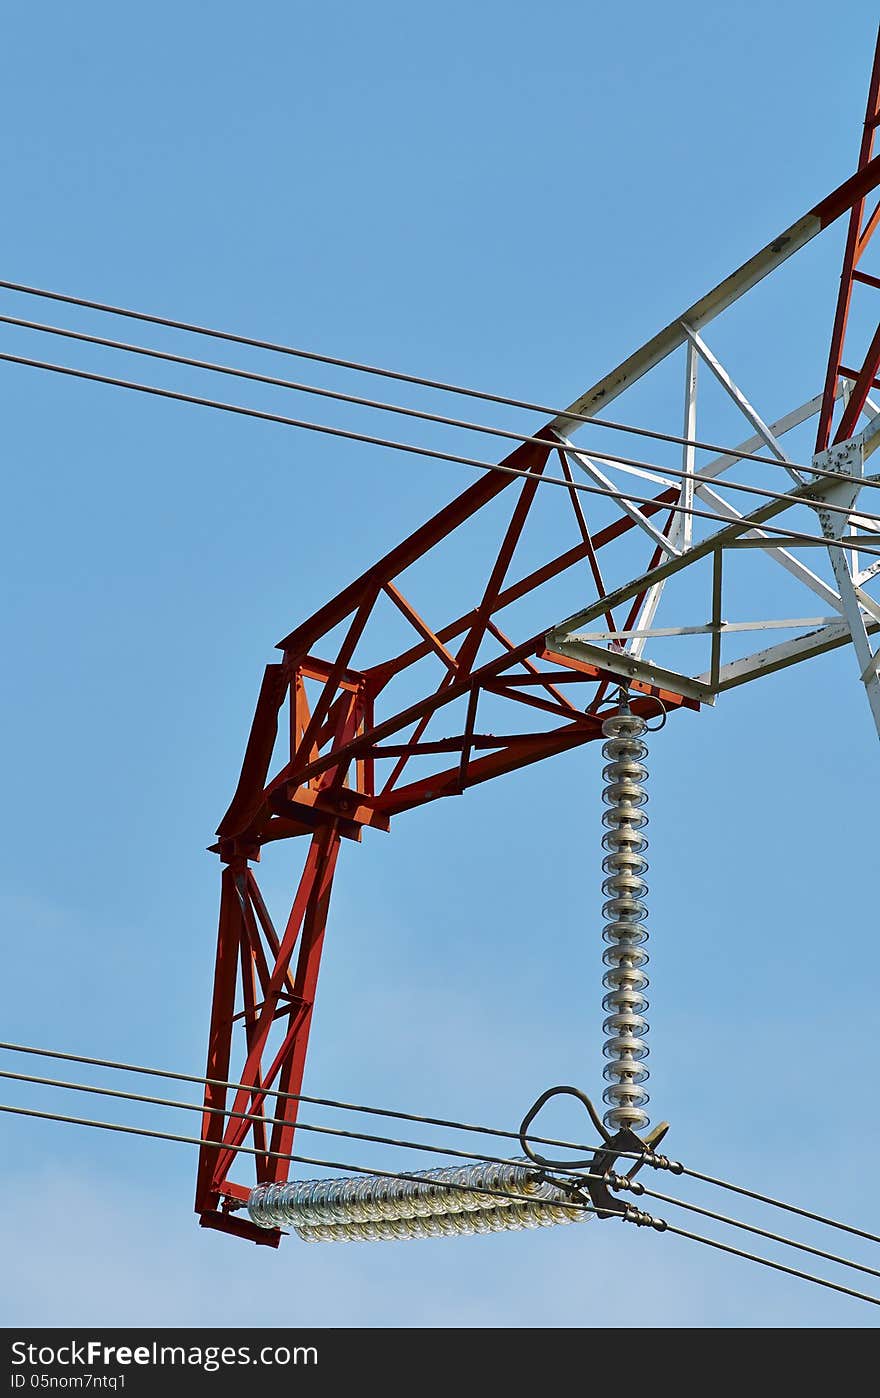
(739, 398)
(699, 314)
(779, 657)
(777, 251)
(688, 453)
(655, 592)
(786, 560)
(784, 424)
(571, 637)
(848, 458)
(590, 469)
(805, 494)
(792, 623)
(711, 470)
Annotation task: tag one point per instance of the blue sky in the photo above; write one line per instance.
(506, 196)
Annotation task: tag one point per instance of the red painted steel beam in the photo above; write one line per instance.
(854, 374)
(544, 680)
(860, 390)
(440, 526)
(534, 748)
(834, 205)
(585, 534)
(258, 753)
(311, 794)
(225, 1135)
(219, 1038)
(867, 279)
(326, 787)
(378, 675)
(857, 240)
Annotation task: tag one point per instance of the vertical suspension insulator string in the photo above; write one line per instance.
(625, 912)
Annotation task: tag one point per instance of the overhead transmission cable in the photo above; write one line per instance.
(554, 443)
(394, 1114)
(296, 1097)
(248, 1150)
(335, 361)
(442, 419)
(319, 391)
(766, 1262)
(476, 463)
(257, 1118)
(481, 465)
(753, 1228)
(661, 1225)
(382, 406)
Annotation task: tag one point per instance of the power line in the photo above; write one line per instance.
(661, 1224)
(382, 406)
(253, 1150)
(294, 1096)
(759, 1232)
(780, 1204)
(435, 454)
(766, 1262)
(379, 404)
(337, 362)
(469, 1127)
(259, 1119)
(411, 447)
(481, 465)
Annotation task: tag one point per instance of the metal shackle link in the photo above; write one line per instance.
(625, 913)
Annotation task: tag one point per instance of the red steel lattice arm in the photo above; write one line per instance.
(356, 713)
(327, 789)
(859, 234)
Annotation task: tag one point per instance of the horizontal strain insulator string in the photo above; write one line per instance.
(498, 1132)
(247, 1150)
(399, 1175)
(481, 1159)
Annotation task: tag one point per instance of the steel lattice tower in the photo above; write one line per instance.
(345, 711)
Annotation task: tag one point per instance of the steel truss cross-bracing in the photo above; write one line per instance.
(347, 736)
